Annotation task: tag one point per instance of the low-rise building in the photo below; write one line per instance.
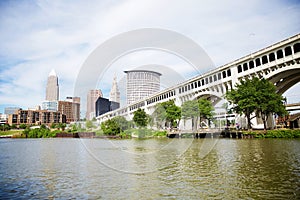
(36, 117)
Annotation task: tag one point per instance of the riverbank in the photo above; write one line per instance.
(278, 133)
(149, 133)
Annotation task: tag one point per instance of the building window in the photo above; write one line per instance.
(271, 57)
(245, 66)
(239, 69)
(224, 74)
(296, 47)
(257, 62)
(288, 51)
(264, 60)
(279, 54)
(228, 72)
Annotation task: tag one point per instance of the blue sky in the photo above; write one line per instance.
(37, 36)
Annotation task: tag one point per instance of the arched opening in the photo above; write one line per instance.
(288, 51)
(284, 80)
(279, 54)
(271, 57)
(219, 76)
(264, 60)
(239, 69)
(293, 94)
(224, 74)
(228, 72)
(257, 62)
(245, 66)
(296, 47)
(251, 64)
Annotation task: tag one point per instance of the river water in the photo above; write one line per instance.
(149, 169)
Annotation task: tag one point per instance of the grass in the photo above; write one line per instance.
(11, 132)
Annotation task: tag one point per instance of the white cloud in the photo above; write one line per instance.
(61, 34)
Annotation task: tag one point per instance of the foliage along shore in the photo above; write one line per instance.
(142, 133)
(278, 133)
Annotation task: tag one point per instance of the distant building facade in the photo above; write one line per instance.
(36, 117)
(52, 88)
(50, 105)
(104, 105)
(92, 97)
(11, 110)
(141, 84)
(114, 94)
(3, 118)
(70, 108)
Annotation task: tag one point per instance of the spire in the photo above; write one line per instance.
(52, 73)
(114, 92)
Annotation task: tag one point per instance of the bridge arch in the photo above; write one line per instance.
(285, 77)
(213, 96)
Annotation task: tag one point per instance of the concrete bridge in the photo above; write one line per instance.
(292, 106)
(279, 63)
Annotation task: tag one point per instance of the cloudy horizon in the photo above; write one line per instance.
(37, 36)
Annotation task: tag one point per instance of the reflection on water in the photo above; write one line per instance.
(149, 169)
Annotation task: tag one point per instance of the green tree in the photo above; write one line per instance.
(243, 99)
(140, 118)
(173, 112)
(88, 124)
(22, 126)
(268, 101)
(61, 126)
(256, 96)
(110, 127)
(159, 115)
(190, 110)
(205, 109)
(122, 122)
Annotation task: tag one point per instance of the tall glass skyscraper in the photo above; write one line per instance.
(141, 84)
(52, 89)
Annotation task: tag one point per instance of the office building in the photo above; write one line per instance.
(114, 92)
(141, 84)
(70, 108)
(52, 88)
(103, 105)
(92, 97)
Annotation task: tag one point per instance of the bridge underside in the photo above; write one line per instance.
(286, 79)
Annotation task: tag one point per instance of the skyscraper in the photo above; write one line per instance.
(92, 97)
(114, 92)
(141, 84)
(52, 89)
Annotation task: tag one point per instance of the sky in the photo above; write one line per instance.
(38, 36)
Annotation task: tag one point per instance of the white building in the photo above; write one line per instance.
(114, 92)
(141, 84)
(52, 88)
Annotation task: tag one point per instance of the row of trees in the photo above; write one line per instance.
(256, 96)
(165, 115)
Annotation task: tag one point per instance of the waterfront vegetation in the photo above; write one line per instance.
(278, 133)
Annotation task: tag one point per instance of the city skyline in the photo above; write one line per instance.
(237, 29)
